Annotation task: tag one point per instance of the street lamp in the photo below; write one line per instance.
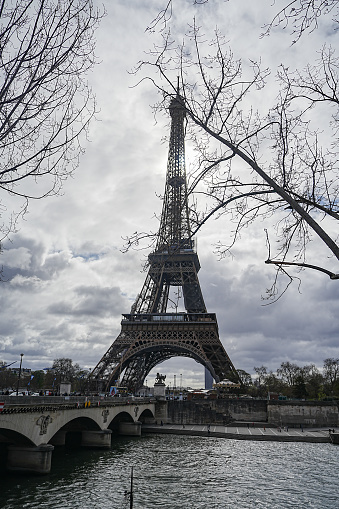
(17, 386)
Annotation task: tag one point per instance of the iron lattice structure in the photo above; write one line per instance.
(149, 334)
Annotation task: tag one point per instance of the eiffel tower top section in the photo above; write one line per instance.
(174, 262)
(175, 232)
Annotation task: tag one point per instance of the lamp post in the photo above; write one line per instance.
(17, 386)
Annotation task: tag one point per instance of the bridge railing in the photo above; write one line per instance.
(70, 401)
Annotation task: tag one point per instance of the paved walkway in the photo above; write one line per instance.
(242, 432)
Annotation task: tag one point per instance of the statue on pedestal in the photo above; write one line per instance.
(159, 386)
(160, 379)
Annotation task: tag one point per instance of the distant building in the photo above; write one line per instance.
(226, 387)
(208, 380)
(24, 371)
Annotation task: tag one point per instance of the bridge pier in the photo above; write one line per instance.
(132, 429)
(31, 460)
(97, 439)
(161, 410)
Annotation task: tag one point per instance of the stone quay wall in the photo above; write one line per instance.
(315, 414)
(218, 411)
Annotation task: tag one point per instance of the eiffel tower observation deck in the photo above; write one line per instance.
(149, 333)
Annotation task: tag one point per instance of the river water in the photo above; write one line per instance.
(183, 472)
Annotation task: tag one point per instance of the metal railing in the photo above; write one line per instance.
(67, 402)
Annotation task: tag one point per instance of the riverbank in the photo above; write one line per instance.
(253, 431)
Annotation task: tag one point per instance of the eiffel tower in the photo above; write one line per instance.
(149, 334)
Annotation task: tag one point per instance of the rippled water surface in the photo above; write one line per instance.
(182, 472)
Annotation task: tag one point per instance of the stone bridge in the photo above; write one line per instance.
(30, 427)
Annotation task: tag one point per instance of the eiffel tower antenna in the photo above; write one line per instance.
(149, 333)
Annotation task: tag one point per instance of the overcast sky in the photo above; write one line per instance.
(68, 281)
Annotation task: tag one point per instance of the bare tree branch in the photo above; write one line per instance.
(305, 265)
(46, 50)
(275, 163)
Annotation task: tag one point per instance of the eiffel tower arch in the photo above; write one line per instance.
(149, 333)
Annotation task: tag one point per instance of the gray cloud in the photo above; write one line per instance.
(68, 281)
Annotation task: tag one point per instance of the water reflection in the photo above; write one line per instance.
(182, 472)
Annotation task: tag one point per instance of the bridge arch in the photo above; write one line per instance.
(81, 423)
(11, 437)
(70, 433)
(121, 417)
(146, 417)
